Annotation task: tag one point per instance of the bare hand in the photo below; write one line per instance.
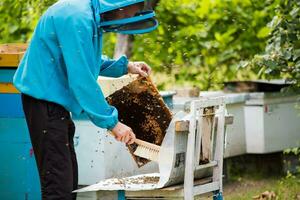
(140, 68)
(123, 133)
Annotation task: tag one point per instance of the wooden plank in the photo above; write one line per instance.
(171, 191)
(11, 54)
(190, 156)
(229, 119)
(206, 147)
(8, 88)
(183, 125)
(219, 149)
(7, 60)
(196, 182)
(209, 102)
(210, 164)
(209, 187)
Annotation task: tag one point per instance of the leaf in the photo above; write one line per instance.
(295, 12)
(275, 22)
(287, 54)
(264, 32)
(296, 54)
(13, 29)
(270, 64)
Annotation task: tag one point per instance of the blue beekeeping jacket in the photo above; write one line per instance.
(64, 60)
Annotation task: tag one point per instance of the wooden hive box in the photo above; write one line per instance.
(11, 54)
(141, 107)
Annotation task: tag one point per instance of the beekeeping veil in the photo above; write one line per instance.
(143, 20)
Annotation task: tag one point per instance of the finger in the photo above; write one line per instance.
(142, 73)
(149, 71)
(127, 138)
(131, 141)
(132, 138)
(118, 138)
(146, 68)
(123, 138)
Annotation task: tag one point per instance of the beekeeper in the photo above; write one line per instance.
(58, 75)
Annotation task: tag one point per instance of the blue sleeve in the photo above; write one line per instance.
(113, 68)
(75, 37)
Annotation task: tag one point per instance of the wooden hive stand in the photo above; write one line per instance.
(196, 131)
(205, 131)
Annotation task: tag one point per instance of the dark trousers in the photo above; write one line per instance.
(51, 132)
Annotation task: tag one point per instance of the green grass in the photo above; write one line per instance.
(287, 188)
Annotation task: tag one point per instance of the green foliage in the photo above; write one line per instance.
(296, 152)
(200, 41)
(282, 54)
(18, 18)
(286, 188)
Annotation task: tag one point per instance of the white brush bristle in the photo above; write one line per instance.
(146, 152)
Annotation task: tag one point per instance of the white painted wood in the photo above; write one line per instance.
(272, 127)
(183, 125)
(262, 98)
(209, 187)
(210, 164)
(235, 133)
(219, 148)
(208, 102)
(218, 127)
(254, 125)
(189, 162)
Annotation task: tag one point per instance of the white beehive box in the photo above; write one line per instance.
(235, 133)
(272, 122)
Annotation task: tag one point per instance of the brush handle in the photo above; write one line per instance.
(147, 144)
(141, 143)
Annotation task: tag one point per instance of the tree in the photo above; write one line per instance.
(281, 58)
(18, 18)
(201, 42)
(198, 42)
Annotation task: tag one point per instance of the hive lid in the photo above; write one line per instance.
(141, 107)
(256, 86)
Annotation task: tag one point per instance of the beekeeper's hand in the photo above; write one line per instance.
(140, 68)
(123, 133)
